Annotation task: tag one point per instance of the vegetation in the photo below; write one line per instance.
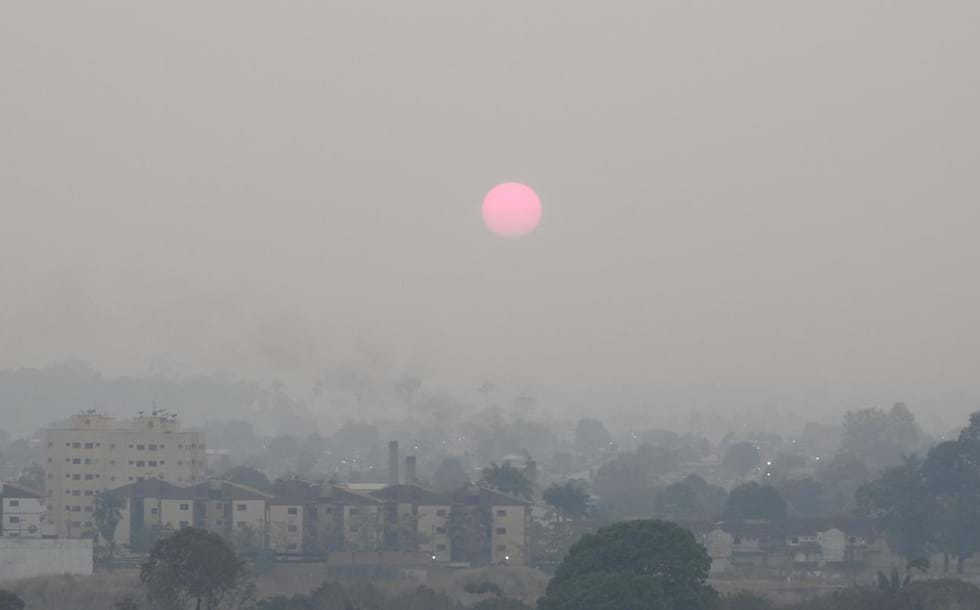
(636, 565)
(568, 500)
(10, 601)
(508, 479)
(754, 501)
(195, 567)
(107, 513)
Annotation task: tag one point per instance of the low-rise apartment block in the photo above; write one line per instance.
(23, 512)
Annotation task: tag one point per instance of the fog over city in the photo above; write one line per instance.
(750, 203)
(512, 305)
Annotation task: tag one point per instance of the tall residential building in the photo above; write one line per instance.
(95, 452)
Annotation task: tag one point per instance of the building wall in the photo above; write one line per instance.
(176, 514)
(362, 527)
(434, 531)
(286, 528)
(23, 517)
(92, 454)
(508, 534)
(250, 515)
(30, 557)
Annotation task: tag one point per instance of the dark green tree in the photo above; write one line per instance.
(591, 436)
(634, 565)
(507, 479)
(741, 459)
(450, 475)
(568, 500)
(192, 566)
(10, 601)
(32, 477)
(107, 514)
(754, 501)
(690, 498)
(900, 502)
(743, 600)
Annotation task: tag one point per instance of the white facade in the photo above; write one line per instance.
(23, 512)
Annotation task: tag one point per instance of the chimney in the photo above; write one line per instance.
(393, 463)
(410, 470)
(531, 471)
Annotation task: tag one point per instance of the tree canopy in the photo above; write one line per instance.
(192, 566)
(568, 500)
(508, 479)
(754, 501)
(633, 565)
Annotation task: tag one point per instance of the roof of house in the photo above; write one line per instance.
(350, 497)
(14, 490)
(474, 494)
(412, 494)
(226, 490)
(154, 488)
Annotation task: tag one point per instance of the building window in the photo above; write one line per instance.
(15, 503)
(76, 460)
(501, 548)
(88, 460)
(88, 509)
(501, 513)
(184, 507)
(241, 507)
(76, 445)
(88, 524)
(291, 528)
(89, 446)
(153, 447)
(291, 510)
(291, 547)
(183, 524)
(440, 530)
(76, 477)
(140, 447)
(14, 519)
(441, 512)
(140, 464)
(89, 477)
(440, 547)
(241, 525)
(152, 463)
(154, 511)
(76, 492)
(89, 492)
(501, 531)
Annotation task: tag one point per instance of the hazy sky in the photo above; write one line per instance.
(734, 192)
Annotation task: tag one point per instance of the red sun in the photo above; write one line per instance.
(512, 209)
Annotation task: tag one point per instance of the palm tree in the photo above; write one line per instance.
(107, 515)
(508, 479)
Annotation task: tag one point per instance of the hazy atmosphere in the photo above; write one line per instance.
(754, 195)
(537, 305)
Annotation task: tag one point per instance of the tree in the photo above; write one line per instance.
(32, 476)
(805, 497)
(568, 500)
(754, 501)
(508, 479)
(742, 458)
(881, 438)
(743, 600)
(10, 601)
(591, 436)
(450, 475)
(901, 504)
(107, 513)
(469, 534)
(192, 566)
(501, 603)
(691, 498)
(249, 477)
(633, 565)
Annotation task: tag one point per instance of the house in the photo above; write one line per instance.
(23, 512)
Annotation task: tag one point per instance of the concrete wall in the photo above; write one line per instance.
(29, 557)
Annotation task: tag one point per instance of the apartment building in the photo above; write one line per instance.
(23, 512)
(510, 519)
(94, 452)
(155, 507)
